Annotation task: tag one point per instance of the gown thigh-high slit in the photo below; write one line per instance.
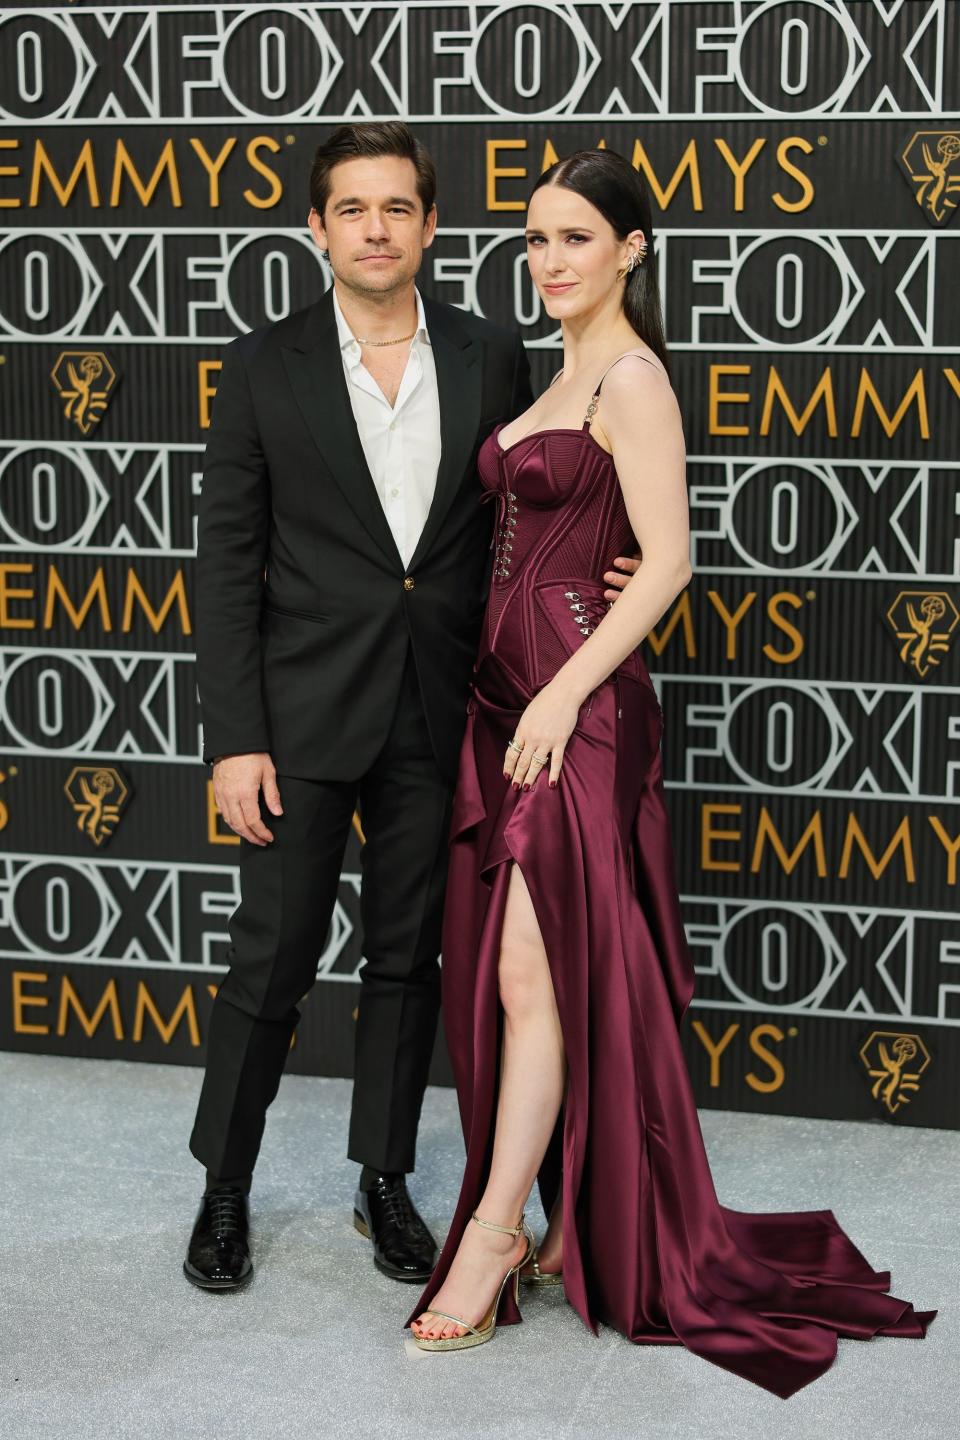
(647, 1246)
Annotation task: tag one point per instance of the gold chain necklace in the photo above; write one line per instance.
(380, 343)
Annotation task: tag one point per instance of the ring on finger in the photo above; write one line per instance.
(540, 759)
(512, 745)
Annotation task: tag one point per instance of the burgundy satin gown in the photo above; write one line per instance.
(647, 1247)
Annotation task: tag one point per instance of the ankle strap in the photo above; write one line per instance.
(501, 1229)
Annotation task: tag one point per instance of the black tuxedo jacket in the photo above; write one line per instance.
(305, 610)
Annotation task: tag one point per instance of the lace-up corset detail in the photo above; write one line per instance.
(505, 533)
(587, 610)
(561, 521)
(560, 517)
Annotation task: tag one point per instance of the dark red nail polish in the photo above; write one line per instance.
(516, 785)
(553, 784)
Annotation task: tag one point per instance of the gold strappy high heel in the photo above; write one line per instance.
(536, 1276)
(480, 1334)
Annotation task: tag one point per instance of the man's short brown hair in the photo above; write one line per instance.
(353, 142)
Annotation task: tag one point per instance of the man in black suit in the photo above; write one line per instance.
(341, 574)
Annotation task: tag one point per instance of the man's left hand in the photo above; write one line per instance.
(620, 576)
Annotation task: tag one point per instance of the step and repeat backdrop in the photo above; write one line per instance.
(804, 162)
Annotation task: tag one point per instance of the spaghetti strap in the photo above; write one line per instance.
(595, 397)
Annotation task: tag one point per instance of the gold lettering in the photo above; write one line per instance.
(56, 590)
(42, 164)
(70, 1000)
(777, 391)
(731, 621)
(714, 1050)
(497, 172)
(916, 390)
(8, 593)
(10, 202)
(855, 836)
(710, 835)
(550, 157)
(206, 391)
(679, 615)
(718, 397)
(766, 830)
(766, 1032)
(136, 593)
(123, 165)
(22, 1001)
(147, 1006)
(216, 836)
(213, 167)
(794, 142)
(951, 847)
(687, 163)
(784, 657)
(739, 167)
(263, 142)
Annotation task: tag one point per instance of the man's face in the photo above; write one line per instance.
(373, 225)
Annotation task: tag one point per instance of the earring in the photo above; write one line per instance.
(637, 258)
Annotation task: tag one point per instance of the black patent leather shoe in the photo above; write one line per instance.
(403, 1247)
(218, 1256)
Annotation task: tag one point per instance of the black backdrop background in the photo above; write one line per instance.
(154, 192)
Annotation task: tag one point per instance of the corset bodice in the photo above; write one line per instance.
(561, 521)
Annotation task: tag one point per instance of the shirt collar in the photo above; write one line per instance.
(348, 341)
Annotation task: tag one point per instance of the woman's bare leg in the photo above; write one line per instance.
(532, 1077)
(550, 1249)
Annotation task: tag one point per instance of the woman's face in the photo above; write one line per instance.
(573, 252)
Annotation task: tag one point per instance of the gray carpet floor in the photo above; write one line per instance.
(101, 1337)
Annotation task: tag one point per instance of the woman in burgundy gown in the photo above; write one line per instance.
(565, 968)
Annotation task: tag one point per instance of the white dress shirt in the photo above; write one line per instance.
(402, 442)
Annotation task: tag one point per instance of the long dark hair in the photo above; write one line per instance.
(615, 188)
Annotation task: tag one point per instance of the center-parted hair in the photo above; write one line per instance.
(611, 184)
(368, 141)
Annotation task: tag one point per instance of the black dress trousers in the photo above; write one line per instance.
(288, 890)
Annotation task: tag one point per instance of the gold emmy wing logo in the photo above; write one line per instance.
(84, 379)
(923, 621)
(97, 793)
(931, 162)
(894, 1063)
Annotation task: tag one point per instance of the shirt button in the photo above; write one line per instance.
(394, 491)
(409, 583)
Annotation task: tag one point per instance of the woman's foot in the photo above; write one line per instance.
(550, 1249)
(473, 1283)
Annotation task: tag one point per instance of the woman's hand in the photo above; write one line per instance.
(542, 734)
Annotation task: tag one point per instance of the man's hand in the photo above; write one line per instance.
(620, 576)
(237, 782)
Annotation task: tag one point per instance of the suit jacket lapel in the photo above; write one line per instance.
(315, 371)
(459, 382)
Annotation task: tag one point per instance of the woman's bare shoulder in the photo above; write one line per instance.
(636, 384)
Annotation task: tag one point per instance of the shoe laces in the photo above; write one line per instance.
(225, 1210)
(396, 1203)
